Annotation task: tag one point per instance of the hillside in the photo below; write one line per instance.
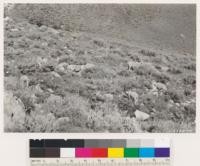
(157, 25)
(60, 79)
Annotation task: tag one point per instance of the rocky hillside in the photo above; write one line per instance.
(65, 80)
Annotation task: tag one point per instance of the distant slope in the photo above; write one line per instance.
(161, 26)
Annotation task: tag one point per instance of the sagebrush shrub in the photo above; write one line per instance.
(147, 53)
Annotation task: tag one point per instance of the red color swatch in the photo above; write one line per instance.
(99, 152)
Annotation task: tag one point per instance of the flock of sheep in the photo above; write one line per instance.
(157, 87)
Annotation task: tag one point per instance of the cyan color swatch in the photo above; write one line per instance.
(147, 152)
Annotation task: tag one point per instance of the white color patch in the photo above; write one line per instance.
(162, 142)
(67, 152)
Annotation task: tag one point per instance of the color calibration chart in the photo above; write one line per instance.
(99, 152)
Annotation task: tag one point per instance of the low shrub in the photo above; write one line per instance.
(167, 126)
(175, 95)
(147, 53)
(175, 70)
(190, 67)
(124, 73)
(190, 80)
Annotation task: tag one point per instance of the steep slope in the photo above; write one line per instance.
(158, 26)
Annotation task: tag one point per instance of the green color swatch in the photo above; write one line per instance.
(131, 152)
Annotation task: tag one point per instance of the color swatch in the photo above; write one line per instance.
(102, 148)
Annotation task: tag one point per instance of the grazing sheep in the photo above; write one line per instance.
(159, 86)
(7, 19)
(24, 81)
(132, 65)
(182, 36)
(87, 66)
(61, 67)
(14, 30)
(41, 61)
(75, 68)
(38, 88)
(133, 95)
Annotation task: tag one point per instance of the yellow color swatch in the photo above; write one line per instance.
(115, 152)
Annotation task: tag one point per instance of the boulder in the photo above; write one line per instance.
(14, 113)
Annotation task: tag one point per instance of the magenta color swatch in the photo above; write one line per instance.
(83, 152)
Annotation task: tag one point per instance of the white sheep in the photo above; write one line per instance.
(182, 36)
(133, 95)
(61, 67)
(132, 65)
(41, 61)
(8, 19)
(159, 86)
(87, 66)
(75, 68)
(24, 81)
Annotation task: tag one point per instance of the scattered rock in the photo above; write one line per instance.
(164, 68)
(55, 74)
(50, 90)
(14, 30)
(87, 66)
(108, 97)
(54, 99)
(141, 116)
(43, 28)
